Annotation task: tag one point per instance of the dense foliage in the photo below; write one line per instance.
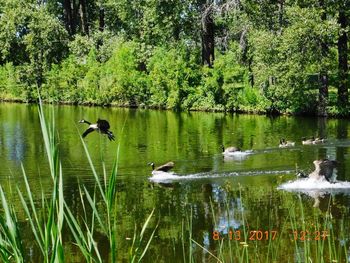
(283, 56)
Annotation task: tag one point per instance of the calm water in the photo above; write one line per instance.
(216, 193)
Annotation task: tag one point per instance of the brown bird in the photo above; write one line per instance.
(164, 168)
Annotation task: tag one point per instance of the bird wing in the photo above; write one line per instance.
(165, 167)
(87, 132)
(103, 125)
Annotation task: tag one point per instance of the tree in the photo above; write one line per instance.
(208, 31)
(343, 94)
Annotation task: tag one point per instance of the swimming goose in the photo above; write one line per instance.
(231, 149)
(318, 141)
(307, 141)
(301, 175)
(164, 168)
(284, 143)
(101, 126)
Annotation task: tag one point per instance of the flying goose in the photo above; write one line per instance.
(164, 168)
(101, 126)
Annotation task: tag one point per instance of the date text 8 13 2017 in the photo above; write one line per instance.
(252, 235)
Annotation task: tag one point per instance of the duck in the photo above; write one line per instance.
(308, 141)
(229, 150)
(318, 141)
(163, 168)
(284, 143)
(101, 126)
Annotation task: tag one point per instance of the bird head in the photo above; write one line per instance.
(222, 147)
(151, 164)
(82, 121)
(301, 175)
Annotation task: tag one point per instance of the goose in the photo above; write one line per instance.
(323, 168)
(101, 126)
(229, 150)
(163, 168)
(307, 141)
(284, 143)
(318, 141)
(301, 175)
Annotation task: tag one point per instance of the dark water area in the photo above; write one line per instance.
(208, 194)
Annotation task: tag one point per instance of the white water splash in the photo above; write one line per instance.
(312, 184)
(238, 153)
(164, 177)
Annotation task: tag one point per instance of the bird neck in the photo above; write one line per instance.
(223, 148)
(152, 166)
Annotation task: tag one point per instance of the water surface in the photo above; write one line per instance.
(216, 192)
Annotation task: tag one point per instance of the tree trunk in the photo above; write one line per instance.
(68, 17)
(83, 17)
(343, 94)
(323, 95)
(280, 14)
(101, 25)
(208, 37)
(323, 89)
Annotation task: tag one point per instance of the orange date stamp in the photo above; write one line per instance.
(252, 235)
(261, 235)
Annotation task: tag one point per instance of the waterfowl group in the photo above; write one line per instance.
(313, 140)
(101, 126)
(304, 141)
(323, 168)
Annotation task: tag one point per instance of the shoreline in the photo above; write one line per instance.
(147, 107)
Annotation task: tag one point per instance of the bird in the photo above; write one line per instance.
(229, 150)
(301, 175)
(101, 126)
(323, 168)
(163, 168)
(307, 141)
(318, 141)
(284, 143)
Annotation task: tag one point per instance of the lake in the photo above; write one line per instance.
(211, 207)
